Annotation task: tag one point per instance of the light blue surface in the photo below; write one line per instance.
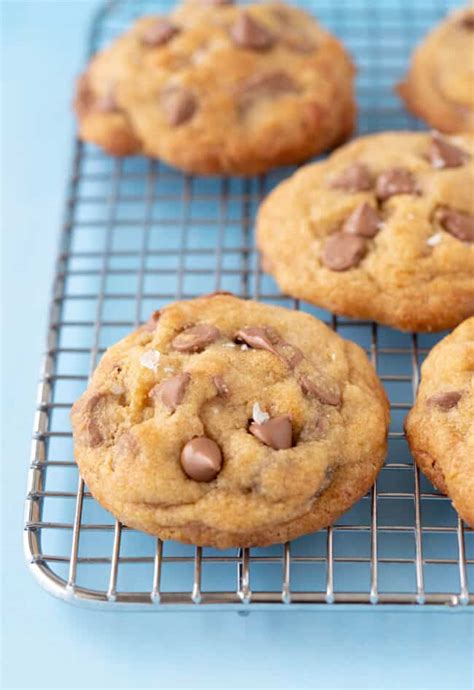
(49, 644)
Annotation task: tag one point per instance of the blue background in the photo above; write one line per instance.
(47, 643)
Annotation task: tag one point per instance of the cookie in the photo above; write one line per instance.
(383, 229)
(214, 88)
(224, 423)
(440, 426)
(439, 86)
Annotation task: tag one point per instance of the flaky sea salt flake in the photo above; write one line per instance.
(259, 415)
(434, 240)
(150, 359)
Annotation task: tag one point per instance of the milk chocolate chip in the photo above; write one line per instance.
(363, 221)
(312, 389)
(159, 33)
(343, 251)
(250, 34)
(258, 338)
(221, 386)
(196, 338)
(179, 105)
(270, 85)
(150, 325)
(172, 391)
(276, 433)
(290, 354)
(443, 154)
(264, 339)
(467, 22)
(201, 459)
(98, 424)
(395, 181)
(458, 224)
(355, 178)
(445, 401)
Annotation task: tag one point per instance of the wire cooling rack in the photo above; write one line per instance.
(138, 234)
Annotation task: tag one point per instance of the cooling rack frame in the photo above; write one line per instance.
(184, 255)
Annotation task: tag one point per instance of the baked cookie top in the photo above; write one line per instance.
(214, 88)
(439, 86)
(440, 427)
(383, 229)
(230, 423)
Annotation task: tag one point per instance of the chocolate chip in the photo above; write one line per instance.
(312, 389)
(201, 459)
(221, 386)
(96, 426)
(159, 33)
(150, 325)
(290, 354)
(363, 221)
(276, 433)
(246, 32)
(321, 426)
(355, 178)
(264, 339)
(445, 401)
(172, 391)
(443, 154)
(127, 446)
(467, 22)
(258, 338)
(179, 105)
(395, 181)
(457, 223)
(196, 338)
(343, 251)
(269, 85)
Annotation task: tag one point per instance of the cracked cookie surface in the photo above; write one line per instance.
(383, 229)
(225, 422)
(439, 86)
(440, 426)
(216, 88)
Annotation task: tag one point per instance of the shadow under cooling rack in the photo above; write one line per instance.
(138, 234)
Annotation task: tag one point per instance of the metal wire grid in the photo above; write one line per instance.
(138, 234)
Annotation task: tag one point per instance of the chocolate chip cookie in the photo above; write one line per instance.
(225, 422)
(440, 427)
(439, 86)
(214, 88)
(383, 229)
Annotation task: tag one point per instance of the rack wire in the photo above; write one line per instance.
(138, 234)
